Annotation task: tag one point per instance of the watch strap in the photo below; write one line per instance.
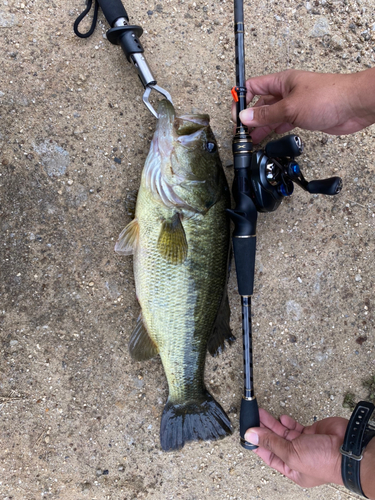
(357, 436)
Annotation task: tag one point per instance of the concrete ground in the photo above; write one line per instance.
(80, 419)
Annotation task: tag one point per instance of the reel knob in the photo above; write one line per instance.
(286, 188)
(288, 146)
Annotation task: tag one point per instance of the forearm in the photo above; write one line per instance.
(368, 470)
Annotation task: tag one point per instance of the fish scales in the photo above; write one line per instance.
(180, 242)
(180, 303)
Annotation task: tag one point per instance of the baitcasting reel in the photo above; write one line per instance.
(274, 170)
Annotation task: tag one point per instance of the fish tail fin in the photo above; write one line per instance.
(193, 421)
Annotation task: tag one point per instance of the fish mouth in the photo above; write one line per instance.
(184, 125)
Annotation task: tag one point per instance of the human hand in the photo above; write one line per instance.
(332, 103)
(309, 456)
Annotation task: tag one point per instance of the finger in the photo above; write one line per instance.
(278, 427)
(303, 480)
(291, 424)
(272, 84)
(276, 463)
(266, 101)
(267, 115)
(260, 133)
(271, 459)
(284, 127)
(234, 112)
(272, 442)
(262, 101)
(271, 422)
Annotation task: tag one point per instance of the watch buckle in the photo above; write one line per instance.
(351, 455)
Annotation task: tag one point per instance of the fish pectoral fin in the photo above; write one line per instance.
(141, 346)
(221, 331)
(172, 243)
(128, 239)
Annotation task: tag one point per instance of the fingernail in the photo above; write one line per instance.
(251, 437)
(247, 115)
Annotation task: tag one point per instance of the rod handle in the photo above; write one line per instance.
(244, 250)
(113, 10)
(249, 417)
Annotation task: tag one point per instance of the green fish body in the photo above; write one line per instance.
(180, 243)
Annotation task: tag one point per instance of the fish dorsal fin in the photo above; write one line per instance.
(172, 243)
(128, 239)
(221, 331)
(141, 347)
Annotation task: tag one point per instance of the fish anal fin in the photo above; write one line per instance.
(128, 239)
(141, 346)
(221, 332)
(172, 243)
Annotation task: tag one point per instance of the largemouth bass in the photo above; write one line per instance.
(180, 242)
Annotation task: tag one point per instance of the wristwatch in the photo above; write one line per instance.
(358, 434)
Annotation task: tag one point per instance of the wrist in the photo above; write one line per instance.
(359, 434)
(362, 95)
(368, 469)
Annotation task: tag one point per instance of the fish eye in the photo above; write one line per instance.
(211, 147)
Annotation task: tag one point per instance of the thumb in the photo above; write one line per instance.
(267, 439)
(260, 116)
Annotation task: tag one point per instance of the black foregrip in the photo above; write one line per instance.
(287, 146)
(113, 10)
(249, 417)
(330, 186)
(244, 257)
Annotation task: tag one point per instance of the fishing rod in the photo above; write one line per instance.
(127, 35)
(244, 217)
(262, 179)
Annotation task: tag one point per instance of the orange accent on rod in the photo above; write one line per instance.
(234, 93)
